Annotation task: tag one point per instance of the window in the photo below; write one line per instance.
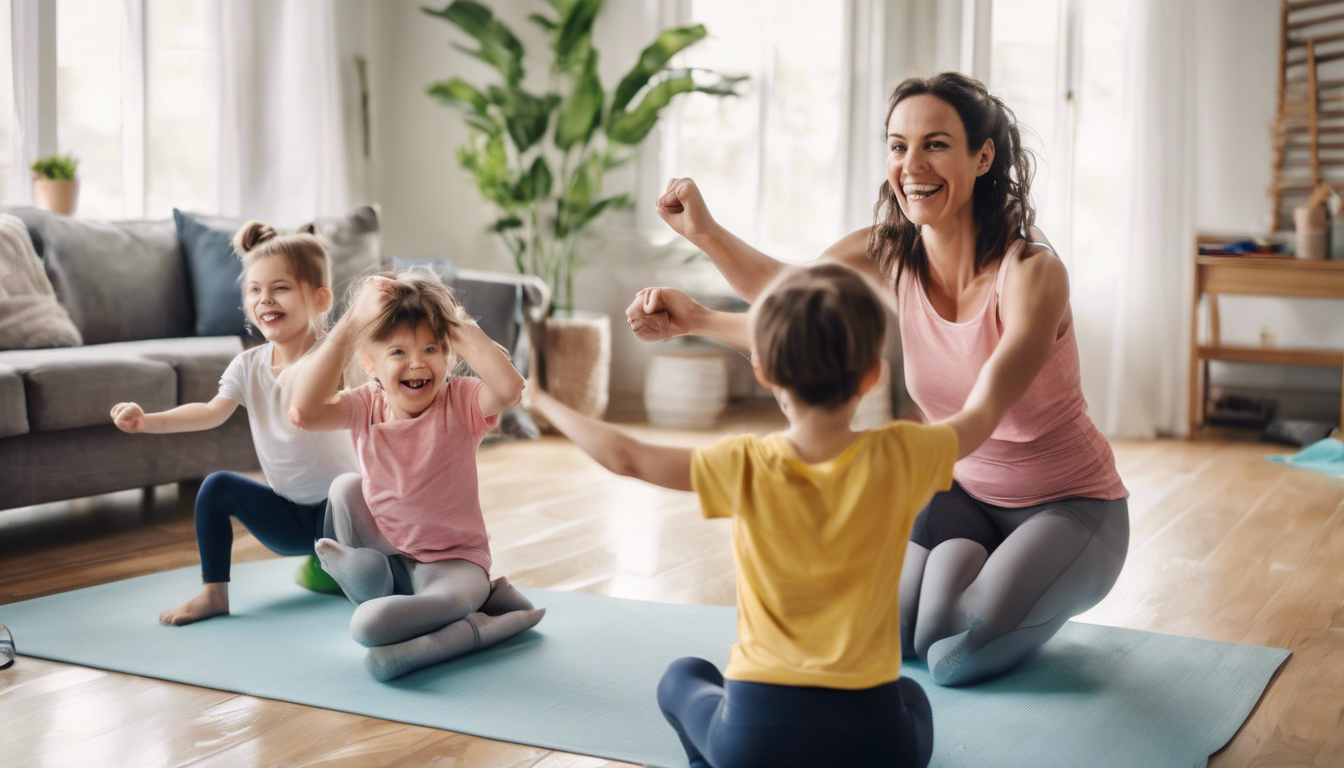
(772, 164)
(1056, 64)
(135, 99)
(8, 138)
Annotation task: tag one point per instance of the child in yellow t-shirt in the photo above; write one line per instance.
(821, 516)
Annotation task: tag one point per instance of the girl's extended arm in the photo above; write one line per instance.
(192, 417)
(503, 384)
(661, 465)
(317, 405)
(1035, 298)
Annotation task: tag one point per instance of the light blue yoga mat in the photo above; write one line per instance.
(584, 680)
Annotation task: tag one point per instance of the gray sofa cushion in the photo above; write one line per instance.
(199, 361)
(80, 390)
(77, 386)
(13, 406)
(120, 280)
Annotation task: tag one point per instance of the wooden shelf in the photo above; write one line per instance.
(1255, 276)
(1322, 357)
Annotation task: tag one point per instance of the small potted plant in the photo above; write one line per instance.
(55, 186)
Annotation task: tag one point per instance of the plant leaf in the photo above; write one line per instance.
(562, 6)
(485, 158)
(506, 223)
(631, 127)
(574, 40)
(543, 22)
(582, 113)
(459, 94)
(525, 116)
(536, 183)
(499, 46)
(652, 61)
(540, 179)
(595, 210)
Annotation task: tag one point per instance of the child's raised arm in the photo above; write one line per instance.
(192, 417)
(317, 405)
(662, 465)
(503, 384)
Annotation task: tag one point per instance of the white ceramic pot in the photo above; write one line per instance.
(578, 361)
(686, 387)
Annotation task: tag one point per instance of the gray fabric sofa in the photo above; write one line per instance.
(125, 285)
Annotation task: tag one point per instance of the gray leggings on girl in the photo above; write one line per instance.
(984, 586)
(411, 614)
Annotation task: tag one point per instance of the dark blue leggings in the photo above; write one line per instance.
(285, 527)
(733, 724)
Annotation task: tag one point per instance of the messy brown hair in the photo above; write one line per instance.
(1000, 200)
(818, 331)
(301, 250)
(417, 297)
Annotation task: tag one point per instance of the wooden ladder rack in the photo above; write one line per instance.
(1310, 115)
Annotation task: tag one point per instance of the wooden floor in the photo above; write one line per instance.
(1224, 546)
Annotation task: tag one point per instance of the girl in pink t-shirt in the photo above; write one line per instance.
(416, 430)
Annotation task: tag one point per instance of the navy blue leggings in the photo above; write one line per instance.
(733, 724)
(285, 527)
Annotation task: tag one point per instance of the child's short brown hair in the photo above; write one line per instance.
(418, 297)
(818, 330)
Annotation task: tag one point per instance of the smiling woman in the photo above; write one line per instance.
(1035, 528)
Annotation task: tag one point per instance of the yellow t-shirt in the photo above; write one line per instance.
(819, 547)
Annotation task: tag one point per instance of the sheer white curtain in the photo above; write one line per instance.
(1105, 92)
(282, 145)
(1136, 319)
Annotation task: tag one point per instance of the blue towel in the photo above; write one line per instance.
(1326, 456)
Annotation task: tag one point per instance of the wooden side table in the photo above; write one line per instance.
(1256, 276)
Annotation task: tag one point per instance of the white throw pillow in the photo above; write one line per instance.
(30, 315)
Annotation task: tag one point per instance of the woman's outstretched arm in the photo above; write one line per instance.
(747, 270)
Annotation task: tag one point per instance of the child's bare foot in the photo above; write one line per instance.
(505, 598)
(213, 601)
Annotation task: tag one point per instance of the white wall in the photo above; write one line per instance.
(1236, 54)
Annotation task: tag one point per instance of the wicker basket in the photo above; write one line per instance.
(577, 361)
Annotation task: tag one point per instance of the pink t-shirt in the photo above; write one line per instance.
(420, 474)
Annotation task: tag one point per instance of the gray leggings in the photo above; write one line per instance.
(427, 596)
(984, 586)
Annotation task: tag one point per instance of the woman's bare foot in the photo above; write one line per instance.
(213, 601)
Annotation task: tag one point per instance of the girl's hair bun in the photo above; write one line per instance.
(252, 234)
(308, 229)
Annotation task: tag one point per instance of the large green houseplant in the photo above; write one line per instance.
(540, 159)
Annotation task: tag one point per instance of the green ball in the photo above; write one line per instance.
(311, 576)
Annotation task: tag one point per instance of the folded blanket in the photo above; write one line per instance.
(30, 315)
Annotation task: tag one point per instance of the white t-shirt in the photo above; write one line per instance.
(298, 464)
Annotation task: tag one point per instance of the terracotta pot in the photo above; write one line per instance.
(578, 361)
(686, 386)
(56, 196)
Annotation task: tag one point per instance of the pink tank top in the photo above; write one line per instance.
(1045, 448)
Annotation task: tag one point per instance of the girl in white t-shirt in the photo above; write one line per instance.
(286, 295)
